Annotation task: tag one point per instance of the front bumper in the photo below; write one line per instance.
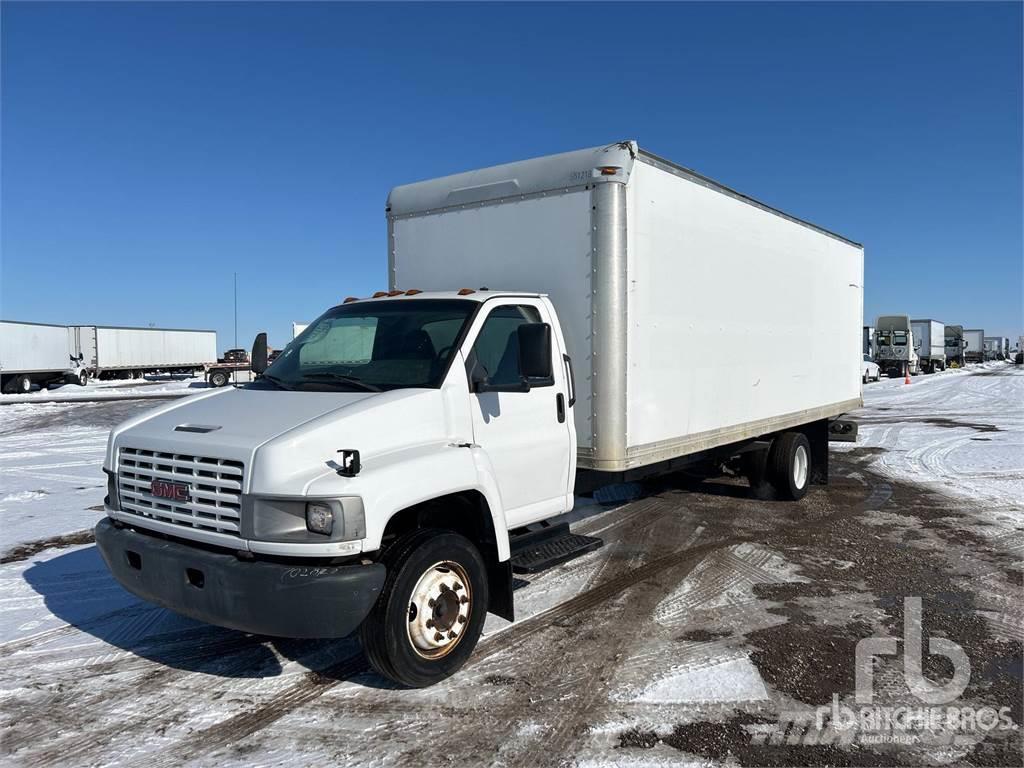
(265, 598)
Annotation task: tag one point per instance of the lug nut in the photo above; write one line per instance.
(462, 619)
(457, 586)
(438, 637)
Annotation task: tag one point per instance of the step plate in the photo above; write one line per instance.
(544, 555)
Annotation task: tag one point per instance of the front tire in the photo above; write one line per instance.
(789, 465)
(431, 610)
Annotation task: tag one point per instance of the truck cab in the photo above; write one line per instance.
(896, 349)
(266, 507)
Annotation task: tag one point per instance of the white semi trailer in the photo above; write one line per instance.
(381, 474)
(112, 351)
(930, 344)
(37, 354)
(895, 347)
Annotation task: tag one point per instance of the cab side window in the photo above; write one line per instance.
(496, 349)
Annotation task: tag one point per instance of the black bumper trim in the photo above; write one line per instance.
(280, 600)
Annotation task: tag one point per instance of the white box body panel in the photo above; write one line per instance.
(974, 344)
(717, 287)
(930, 335)
(34, 348)
(712, 286)
(146, 348)
(540, 245)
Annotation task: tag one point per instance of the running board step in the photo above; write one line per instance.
(536, 551)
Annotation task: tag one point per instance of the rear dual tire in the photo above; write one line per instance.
(428, 618)
(789, 465)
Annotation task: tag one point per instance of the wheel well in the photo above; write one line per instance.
(467, 513)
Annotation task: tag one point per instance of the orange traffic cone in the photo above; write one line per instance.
(906, 378)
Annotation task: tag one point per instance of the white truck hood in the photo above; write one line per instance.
(286, 440)
(229, 424)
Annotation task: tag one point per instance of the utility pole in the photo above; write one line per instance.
(236, 311)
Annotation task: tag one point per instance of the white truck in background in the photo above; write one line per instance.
(389, 471)
(37, 354)
(993, 346)
(930, 344)
(954, 345)
(895, 347)
(124, 352)
(974, 345)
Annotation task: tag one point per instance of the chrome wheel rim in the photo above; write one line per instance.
(800, 465)
(439, 610)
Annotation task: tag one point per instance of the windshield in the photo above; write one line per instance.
(374, 346)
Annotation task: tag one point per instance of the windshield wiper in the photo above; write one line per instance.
(341, 377)
(277, 382)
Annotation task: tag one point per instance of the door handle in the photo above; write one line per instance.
(560, 407)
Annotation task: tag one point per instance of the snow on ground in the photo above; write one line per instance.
(960, 432)
(153, 386)
(649, 635)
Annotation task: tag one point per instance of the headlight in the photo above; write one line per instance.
(319, 518)
(298, 520)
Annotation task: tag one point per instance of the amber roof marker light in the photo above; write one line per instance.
(379, 294)
(350, 299)
(466, 291)
(609, 170)
(413, 291)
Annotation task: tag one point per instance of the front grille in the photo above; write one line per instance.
(215, 489)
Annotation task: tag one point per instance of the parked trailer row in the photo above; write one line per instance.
(903, 346)
(41, 354)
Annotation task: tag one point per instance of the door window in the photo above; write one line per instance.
(496, 349)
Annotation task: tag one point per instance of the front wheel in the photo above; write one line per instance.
(431, 611)
(789, 465)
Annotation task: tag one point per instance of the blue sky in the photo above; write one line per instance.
(150, 150)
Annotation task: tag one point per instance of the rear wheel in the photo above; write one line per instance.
(218, 378)
(789, 465)
(429, 615)
(21, 384)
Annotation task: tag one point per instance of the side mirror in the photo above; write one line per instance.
(258, 357)
(535, 353)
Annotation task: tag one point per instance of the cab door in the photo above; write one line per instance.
(527, 434)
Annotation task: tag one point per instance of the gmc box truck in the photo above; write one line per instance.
(389, 471)
(930, 344)
(895, 346)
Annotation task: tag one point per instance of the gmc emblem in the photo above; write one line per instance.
(167, 489)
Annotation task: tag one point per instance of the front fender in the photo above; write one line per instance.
(397, 481)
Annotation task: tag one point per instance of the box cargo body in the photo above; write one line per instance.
(954, 343)
(659, 276)
(108, 348)
(930, 342)
(993, 346)
(974, 345)
(34, 348)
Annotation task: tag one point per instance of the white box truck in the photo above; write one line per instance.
(974, 345)
(954, 344)
(382, 473)
(993, 346)
(869, 341)
(895, 346)
(37, 354)
(115, 351)
(930, 344)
